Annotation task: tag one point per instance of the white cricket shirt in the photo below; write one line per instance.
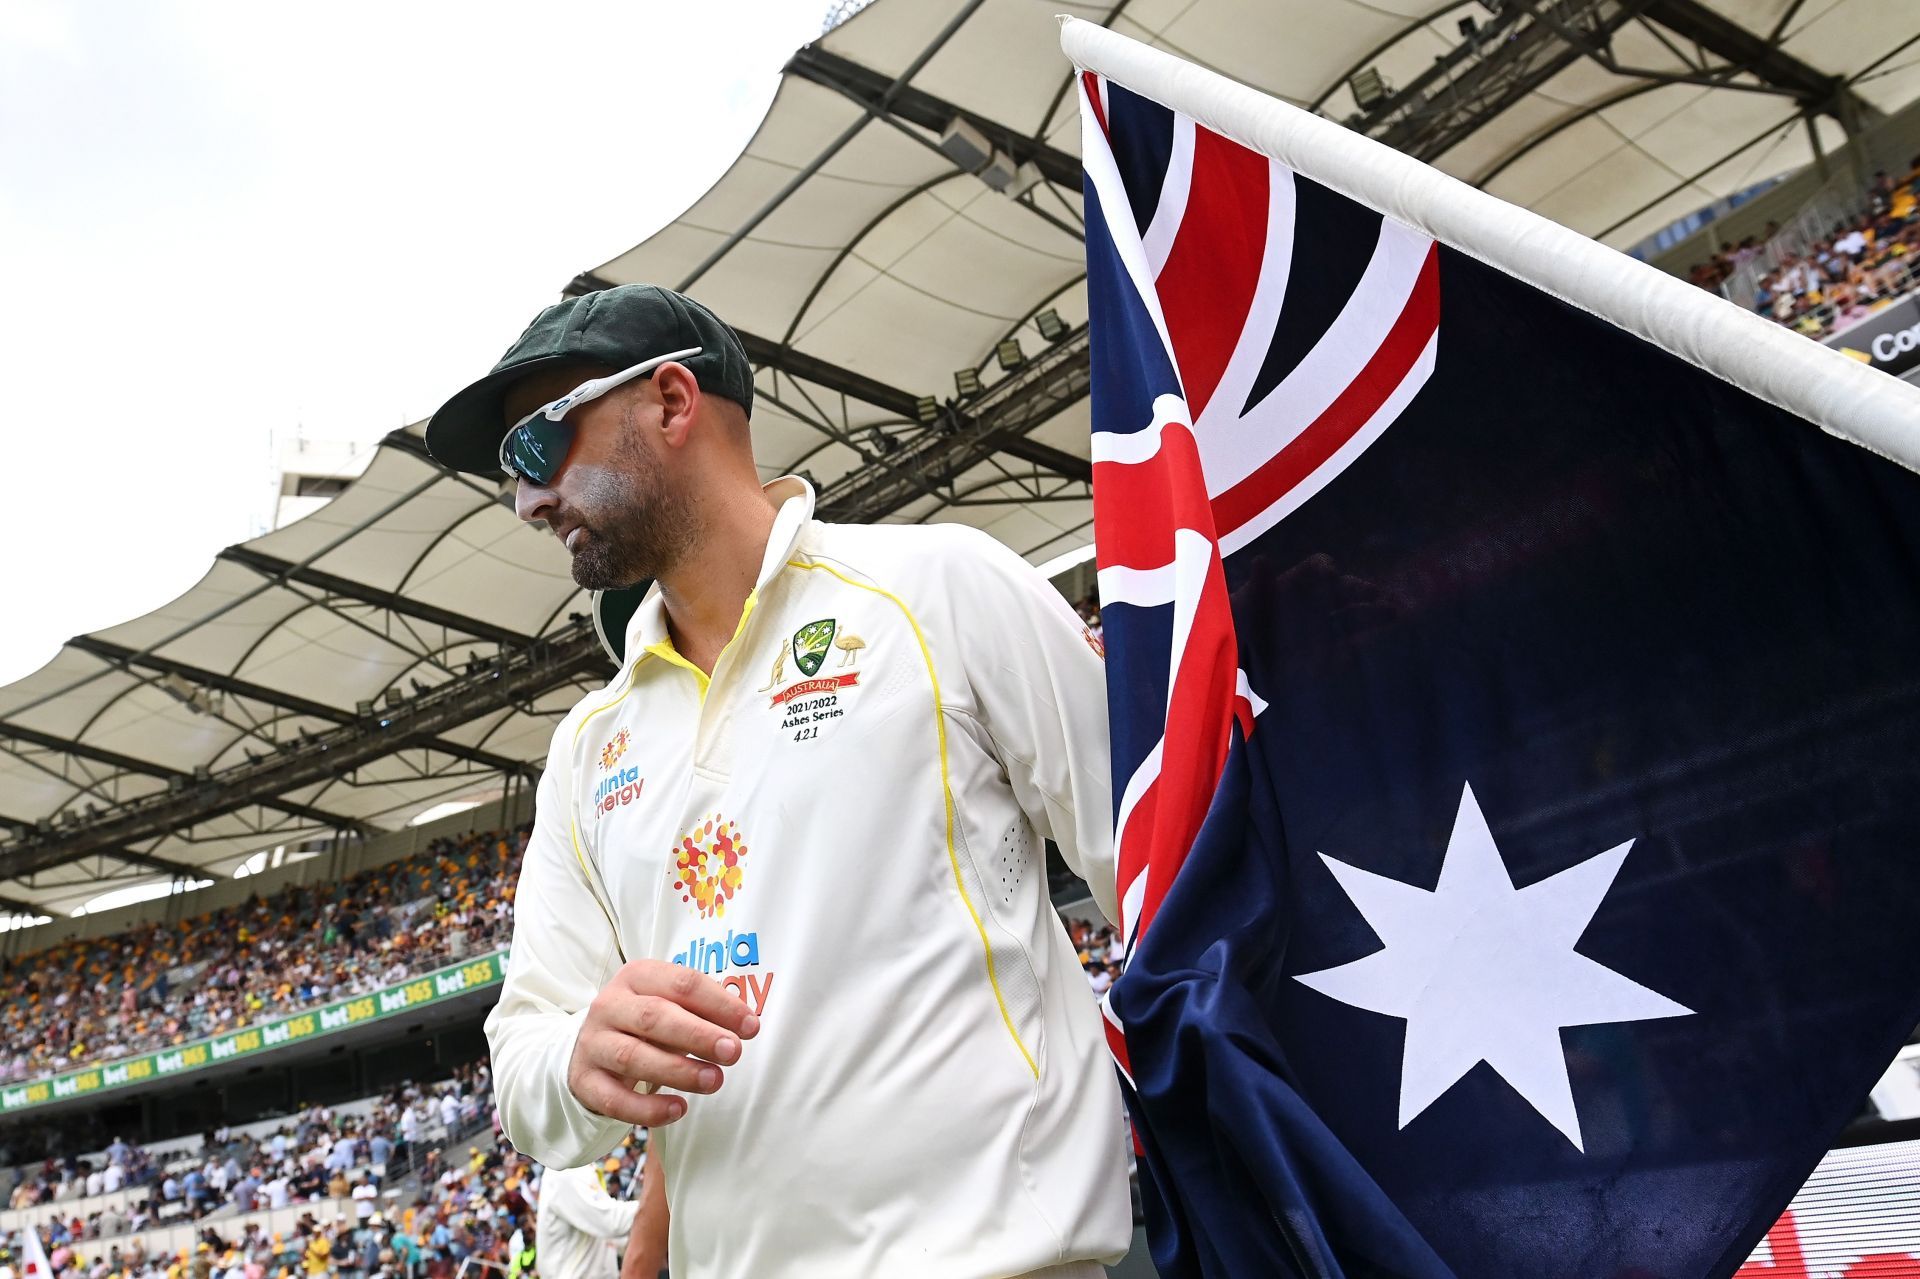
(845, 826)
(579, 1227)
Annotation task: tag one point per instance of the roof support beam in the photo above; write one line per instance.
(122, 655)
(880, 395)
(881, 97)
(485, 759)
(280, 570)
(523, 673)
(1478, 79)
(179, 870)
(832, 148)
(1052, 381)
(129, 764)
(766, 353)
(1762, 55)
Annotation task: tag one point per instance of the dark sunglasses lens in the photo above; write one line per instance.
(536, 449)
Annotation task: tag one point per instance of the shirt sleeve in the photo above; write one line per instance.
(582, 1204)
(1039, 687)
(564, 950)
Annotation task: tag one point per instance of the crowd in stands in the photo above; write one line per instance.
(1101, 951)
(1864, 263)
(158, 985)
(315, 1154)
(451, 1205)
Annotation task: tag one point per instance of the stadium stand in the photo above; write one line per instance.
(415, 1182)
(1821, 286)
(84, 1001)
(412, 1182)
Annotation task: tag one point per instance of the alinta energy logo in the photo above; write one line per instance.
(708, 866)
(610, 753)
(621, 785)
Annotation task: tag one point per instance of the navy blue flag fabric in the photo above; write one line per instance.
(1516, 739)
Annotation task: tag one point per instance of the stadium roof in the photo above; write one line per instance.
(343, 672)
(908, 206)
(911, 201)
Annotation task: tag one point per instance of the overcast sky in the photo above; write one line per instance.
(222, 222)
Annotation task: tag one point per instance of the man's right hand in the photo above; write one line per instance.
(657, 1025)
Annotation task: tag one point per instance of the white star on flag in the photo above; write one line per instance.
(1482, 971)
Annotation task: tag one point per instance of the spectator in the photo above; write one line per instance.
(1866, 263)
(158, 985)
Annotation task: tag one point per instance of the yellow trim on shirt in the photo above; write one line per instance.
(662, 649)
(946, 792)
(573, 810)
(665, 650)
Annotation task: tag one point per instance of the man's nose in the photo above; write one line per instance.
(533, 502)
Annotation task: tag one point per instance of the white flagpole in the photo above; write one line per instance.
(1867, 407)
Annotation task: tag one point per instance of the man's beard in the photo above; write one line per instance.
(637, 526)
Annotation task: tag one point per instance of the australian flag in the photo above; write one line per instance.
(1516, 745)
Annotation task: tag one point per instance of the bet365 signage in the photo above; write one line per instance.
(444, 983)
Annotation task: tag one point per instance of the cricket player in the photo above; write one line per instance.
(786, 900)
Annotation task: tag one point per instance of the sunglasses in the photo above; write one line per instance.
(536, 448)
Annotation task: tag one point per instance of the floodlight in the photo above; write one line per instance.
(363, 709)
(927, 409)
(1025, 179)
(966, 381)
(395, 697)
(999, 173)
(1009, 354)
(1051, 326)
(965, 145)
(1369, 88)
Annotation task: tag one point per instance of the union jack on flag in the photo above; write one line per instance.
(1248, 376)
(1516, 752)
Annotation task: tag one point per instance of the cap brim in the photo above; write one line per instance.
(466, 431)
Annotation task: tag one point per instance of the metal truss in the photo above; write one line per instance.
(124, 656)
(937, 458)
(281, 571)
(511, 678)
(129, 764)
(883, 100)
(1528, 42)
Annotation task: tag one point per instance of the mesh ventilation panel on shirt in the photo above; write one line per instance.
(1013, 863)
(1012, 966)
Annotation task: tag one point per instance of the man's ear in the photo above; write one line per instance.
(679, 393)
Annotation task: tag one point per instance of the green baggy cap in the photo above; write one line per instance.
(618, 328)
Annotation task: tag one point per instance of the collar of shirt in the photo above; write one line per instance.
(647, 631)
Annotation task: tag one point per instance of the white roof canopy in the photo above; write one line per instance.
(386, 597)
(909, 205)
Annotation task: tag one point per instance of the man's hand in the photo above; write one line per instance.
(662, 1026)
